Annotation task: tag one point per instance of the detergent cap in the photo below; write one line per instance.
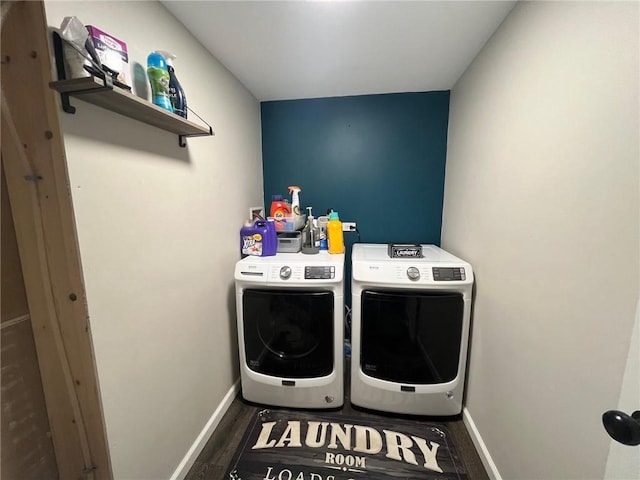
(334, 216)
(155, 59)
(168, 56)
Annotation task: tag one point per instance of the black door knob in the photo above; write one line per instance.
(622, 427)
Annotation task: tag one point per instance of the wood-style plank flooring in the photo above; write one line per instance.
(217, 454)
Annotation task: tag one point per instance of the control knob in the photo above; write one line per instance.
(413, 273)
(285, 272)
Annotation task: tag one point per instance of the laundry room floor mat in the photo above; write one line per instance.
(295, 445)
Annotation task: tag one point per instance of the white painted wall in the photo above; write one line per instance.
(158, 231)
(542, 197)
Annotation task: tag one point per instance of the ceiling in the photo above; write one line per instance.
(307, 49)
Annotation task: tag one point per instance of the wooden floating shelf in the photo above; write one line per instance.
(93, 90)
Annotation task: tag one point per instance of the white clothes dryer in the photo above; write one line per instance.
(410, 329)
(291, 329)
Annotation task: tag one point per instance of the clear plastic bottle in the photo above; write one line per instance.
(322, 226)
(310, 236)
(334, 234)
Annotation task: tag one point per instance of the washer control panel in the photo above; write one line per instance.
(450, 274)
(299, 274)
(320, 273)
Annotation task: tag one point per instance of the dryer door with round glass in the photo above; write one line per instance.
(288, 333)
(411, 337)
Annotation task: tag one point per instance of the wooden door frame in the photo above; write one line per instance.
(37, 179)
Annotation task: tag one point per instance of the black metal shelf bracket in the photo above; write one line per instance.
(64, 96)
(182, 139)
(57, 50)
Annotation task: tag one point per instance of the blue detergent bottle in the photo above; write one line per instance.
(159, 79)
(176, 93)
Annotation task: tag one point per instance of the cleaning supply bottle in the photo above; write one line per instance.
(310, 236)
(159, 80)
(322, 226)
(334, 234)
(258, 238)
(247, 242)
(295, 199)
(176, 93)
(271, 238)
(279, 211)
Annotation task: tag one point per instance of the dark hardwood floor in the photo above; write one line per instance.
(217, 454)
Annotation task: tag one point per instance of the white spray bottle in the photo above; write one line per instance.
(295, 199)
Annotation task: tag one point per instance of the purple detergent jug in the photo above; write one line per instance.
(258, 238)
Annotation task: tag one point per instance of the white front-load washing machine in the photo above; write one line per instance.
(291, 329)
(410, 329)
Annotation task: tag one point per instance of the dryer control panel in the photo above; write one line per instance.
(441, 274)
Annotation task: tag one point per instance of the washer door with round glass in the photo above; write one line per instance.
(288, 333)
(411, 337)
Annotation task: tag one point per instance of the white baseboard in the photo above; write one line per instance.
(191, 456)
(487, 461)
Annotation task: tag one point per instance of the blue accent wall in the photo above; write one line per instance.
(379, 160)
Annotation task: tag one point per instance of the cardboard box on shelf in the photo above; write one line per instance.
(112, 52)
